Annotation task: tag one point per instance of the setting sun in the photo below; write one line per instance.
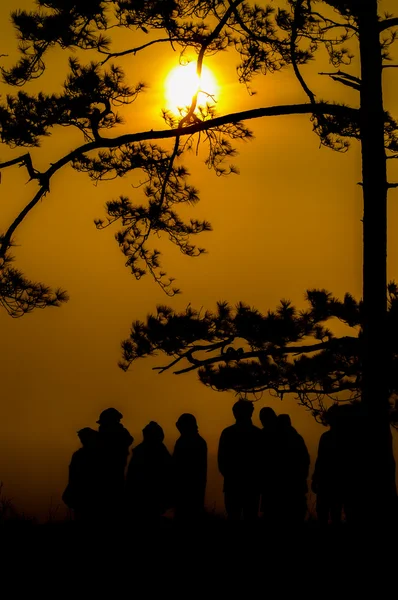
(183, 83)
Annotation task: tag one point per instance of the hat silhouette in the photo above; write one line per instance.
(110, 415)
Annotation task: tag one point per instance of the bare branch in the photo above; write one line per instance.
(110, 55)
(342, 74)
(25, 160)
(345, 79)
(333, 24)
(6, 240)
(347, 83)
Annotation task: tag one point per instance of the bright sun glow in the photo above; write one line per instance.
(182, 84)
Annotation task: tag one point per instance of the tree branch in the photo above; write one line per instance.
(296, 69)
(333, 24)
(281, 391)
(387, 23)
(6, 240)
(196, 363)
(342, 74)
(110, 55)
(26, 160)
(344, 81)
(101, 142)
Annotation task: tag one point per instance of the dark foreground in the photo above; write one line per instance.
(214, 559)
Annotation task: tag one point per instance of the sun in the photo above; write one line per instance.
(182, 84)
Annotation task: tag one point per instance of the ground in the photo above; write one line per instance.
(214, 559)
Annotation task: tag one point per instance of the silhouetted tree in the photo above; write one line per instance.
(285, 351)
(267, 38)
(19, 295)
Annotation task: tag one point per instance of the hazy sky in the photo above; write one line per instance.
(290, 221)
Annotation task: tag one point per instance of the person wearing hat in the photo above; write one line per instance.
(190, 470)
(114, 436)
(115, 441)
(110, 416)
(83, 489)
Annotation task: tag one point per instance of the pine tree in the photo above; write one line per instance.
(267, 38)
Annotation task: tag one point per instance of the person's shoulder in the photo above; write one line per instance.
(164, 448)
(300, 440)
(295, 434)
(139, 449)
(202, 442)
(164, 452)
(230, 430)
(257, 434)
(77, 455)
(125, 432)
(178, 443)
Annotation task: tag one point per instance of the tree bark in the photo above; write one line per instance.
(379, 465)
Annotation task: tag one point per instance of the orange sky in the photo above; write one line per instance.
(291, 220)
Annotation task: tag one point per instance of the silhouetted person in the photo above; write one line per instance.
(293, 468)
(330, 479)
(82, 493)
(190, 470)
(269, 464)
(372, 495)
(149, 477)
(346, 477)
(115, 441)
(239, 455)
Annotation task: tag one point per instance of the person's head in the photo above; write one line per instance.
(153, 433)
(186, 424)
(88, 436)
(243, 410)
(110, 416)
(284, 421)
(344, 417)
(332, 417)
(268, 417)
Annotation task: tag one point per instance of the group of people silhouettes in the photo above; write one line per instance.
(265, 471)
(99, 487)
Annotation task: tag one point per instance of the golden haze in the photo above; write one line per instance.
(290, 220)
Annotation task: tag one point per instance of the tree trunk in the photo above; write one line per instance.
(379, 467)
